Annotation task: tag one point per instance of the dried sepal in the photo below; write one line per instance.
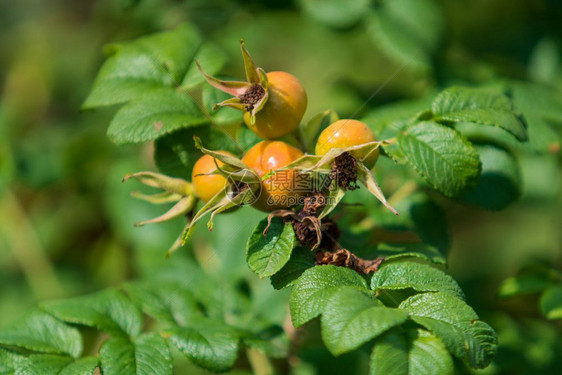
(230, 163)
(158, 198)
(243, 188)
(335, 195)
(175, 246)
(304, 225)
(250, 67)
(234, 88)
(175, 190)
(249, 96)
(169, 184)
(181, 208)
(322, 163)
(366, 177)
(235, 103)
(222, 201)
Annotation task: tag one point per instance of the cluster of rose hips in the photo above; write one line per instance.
(273, 104)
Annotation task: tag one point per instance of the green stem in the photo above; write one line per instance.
(406, 189)
(261, 365)
(27, 249)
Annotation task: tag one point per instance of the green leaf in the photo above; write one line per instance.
(418, 276)
(144, 65)
(316, 285)
(153, 116)
(209, 344)
(310, 131)
(418, 352)
(400, 29)
(60, 365)
(273, 342)
(446, 159)
(500, 181)
(523, 284)
(301, 260)
(454, 322)
(540, 100)
(149, 354)
(392, 251)
(479, 105)
(39, 331)
(267, 254)
(333, 198)
(164, 301)
(387, 120)
(544, 61)
(336, 13)
(419, 213)
(542, 108)
(352, 317)
(490, 135)
(211, 58)
(10, 361)
(110, 311)
(429, 221)
(175, 154)
(551, 302)
(246, 138)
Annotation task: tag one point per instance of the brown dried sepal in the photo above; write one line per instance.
(345, 258)
(314, 203)
(344, 171)
(330, 235)
(310, 231)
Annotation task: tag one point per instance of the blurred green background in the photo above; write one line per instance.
(66, 221)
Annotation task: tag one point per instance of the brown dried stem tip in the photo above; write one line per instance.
(345, 258)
